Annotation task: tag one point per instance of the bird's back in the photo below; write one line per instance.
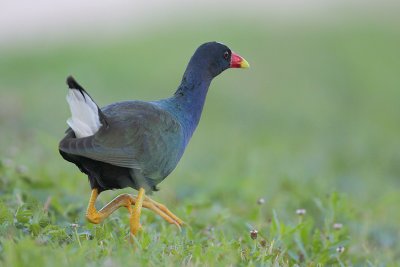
(140, 140)
(154, 133)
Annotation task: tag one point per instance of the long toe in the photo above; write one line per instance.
(164, 209)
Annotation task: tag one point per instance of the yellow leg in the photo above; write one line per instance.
(135, 216)
(94, 216)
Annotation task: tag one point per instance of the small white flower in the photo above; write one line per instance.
(301, 212)
(337, 226)
(74, 225)
(340, 249)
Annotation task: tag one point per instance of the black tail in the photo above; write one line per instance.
(73, 84)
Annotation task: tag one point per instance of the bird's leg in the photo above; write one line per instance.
(94, 216)
(135, 215)
(163, 211)
(126, 200)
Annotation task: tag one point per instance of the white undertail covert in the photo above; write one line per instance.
(84, 119)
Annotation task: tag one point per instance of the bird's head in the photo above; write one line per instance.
(215, 57)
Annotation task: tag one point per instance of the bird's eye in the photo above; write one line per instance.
(226, 55)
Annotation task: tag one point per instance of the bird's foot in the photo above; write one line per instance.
(163, 211)
(134, 204)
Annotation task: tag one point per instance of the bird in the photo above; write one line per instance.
(137, 144)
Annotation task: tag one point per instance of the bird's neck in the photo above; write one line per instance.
(189, 99)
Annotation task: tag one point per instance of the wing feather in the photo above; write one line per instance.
(139, 135)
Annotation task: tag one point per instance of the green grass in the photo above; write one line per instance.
(313, 125)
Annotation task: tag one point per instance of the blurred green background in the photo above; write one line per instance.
(316, 114)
